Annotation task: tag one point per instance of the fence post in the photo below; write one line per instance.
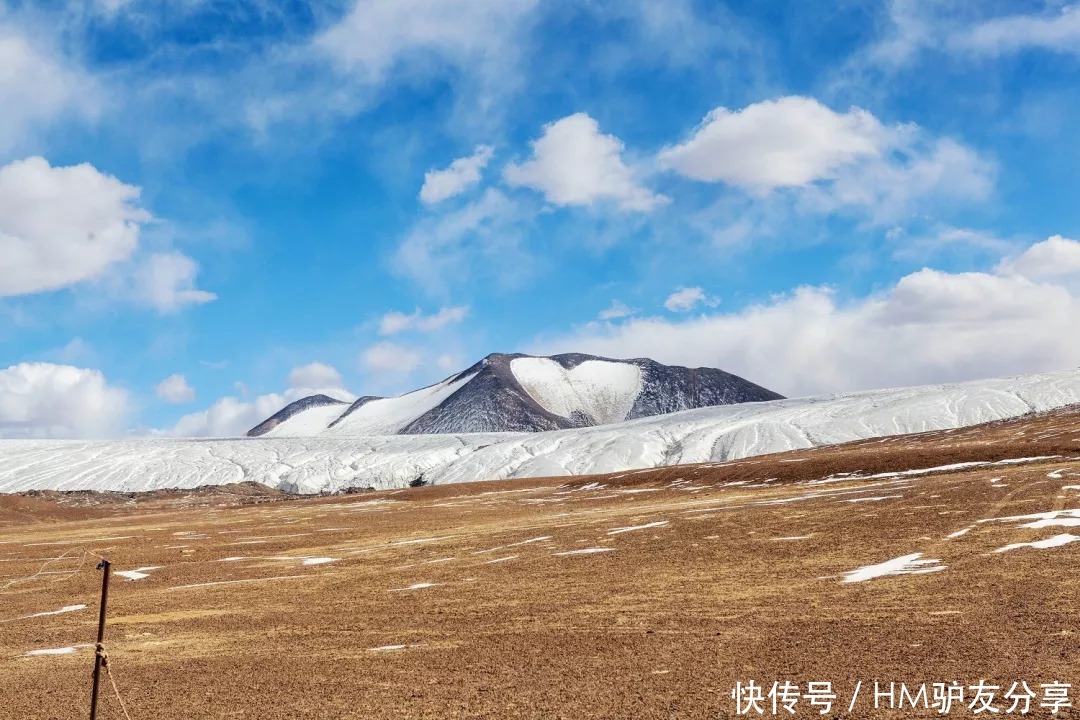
(105, 566)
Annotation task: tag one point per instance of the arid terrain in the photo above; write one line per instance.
(646, 594)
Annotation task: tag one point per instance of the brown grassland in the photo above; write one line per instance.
(460, 601)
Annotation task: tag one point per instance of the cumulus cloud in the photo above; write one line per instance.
(462, 174)
(37, 86)
(166, 282)
(389, 358)
(686, 299)
(835, 159)
(175, 389)
(60, 226)
(315, 375)
(931, 326)
(573, 163)
(789, 142)
(397, 322)
(617, 310)
(1057, 258)
(42, 400)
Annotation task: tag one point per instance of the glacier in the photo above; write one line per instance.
(711, 434)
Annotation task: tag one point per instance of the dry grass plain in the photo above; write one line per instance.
(635, 595)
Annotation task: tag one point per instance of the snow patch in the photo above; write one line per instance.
(54, 651)
(61, 611)
(1056, 541)
(619, 531)
(585, 551)
(603, 391)
(138, 573)
(903, 565)
(415, 586)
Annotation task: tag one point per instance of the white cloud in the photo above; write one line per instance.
(921, 172)
(175, 389)
(685, 299)
(929, 327)
(233, 417)
(573, 163)
(389, 358)
(60, 226)
(1056, 258)
(377, 35)
(36, 86)
(963, 29)
(315, 375)
(834, 160)
(397, 322)
(617, 310)
(42, 400)
(462, 174)
(789, 142)
(911, 29)
(450, 246)
(1059, 32)
(945, 239)
(166, 281)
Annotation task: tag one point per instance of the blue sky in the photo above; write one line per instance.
(211, 208)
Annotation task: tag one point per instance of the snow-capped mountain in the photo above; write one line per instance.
(521, 393)
(727, 432)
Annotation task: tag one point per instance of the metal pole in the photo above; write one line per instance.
(106, 566)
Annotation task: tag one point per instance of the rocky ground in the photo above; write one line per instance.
(648, 594)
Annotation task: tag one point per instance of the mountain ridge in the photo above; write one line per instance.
(517, 392)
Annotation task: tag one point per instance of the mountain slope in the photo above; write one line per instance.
(523, 393)
(712, 434)
(309, 414)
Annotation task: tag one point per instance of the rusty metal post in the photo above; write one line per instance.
(105, 566)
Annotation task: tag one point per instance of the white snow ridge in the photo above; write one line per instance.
(711, 434)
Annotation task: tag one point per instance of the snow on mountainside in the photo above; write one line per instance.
(720, 433)
(522, 393)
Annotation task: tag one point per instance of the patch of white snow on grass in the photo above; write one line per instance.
(65, 609)
(137, 573)
(1056, 541)
(52, 651)
(415, 586)
(877, 498)
(585, 551)
(618, 531)
(1052, 518)
(903, 565)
